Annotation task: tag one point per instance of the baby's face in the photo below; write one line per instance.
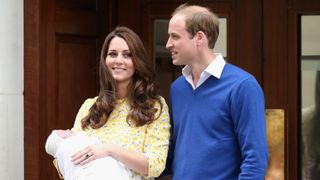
(64, 133)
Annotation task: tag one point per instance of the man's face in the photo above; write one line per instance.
(180, 43)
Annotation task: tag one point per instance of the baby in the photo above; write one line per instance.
(62, 144)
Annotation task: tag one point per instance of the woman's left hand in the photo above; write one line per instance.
(92, 152)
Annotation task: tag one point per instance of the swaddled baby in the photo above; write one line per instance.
(62, 144)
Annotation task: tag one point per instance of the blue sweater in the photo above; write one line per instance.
(218, 129)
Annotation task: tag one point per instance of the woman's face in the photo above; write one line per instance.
(119, 61)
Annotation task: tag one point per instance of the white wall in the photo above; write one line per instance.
(11, 90)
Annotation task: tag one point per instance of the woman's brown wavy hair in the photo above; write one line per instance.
(143, 93)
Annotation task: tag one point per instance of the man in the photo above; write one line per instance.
(217, 109)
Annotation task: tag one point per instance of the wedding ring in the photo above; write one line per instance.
(87, 156)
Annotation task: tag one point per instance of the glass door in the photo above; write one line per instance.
(310, 97)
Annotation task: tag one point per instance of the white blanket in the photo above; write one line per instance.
(100, 169)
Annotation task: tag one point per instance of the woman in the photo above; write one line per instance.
(129, 116)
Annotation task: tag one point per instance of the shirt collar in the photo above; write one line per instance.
(215, 68)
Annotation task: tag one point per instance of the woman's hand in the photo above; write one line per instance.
(137, 161)
(92, 152)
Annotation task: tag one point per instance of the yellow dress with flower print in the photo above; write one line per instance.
(150, 139)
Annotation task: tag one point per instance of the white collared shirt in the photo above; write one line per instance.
(215, 69)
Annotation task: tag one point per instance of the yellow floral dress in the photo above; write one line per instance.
(150, 139)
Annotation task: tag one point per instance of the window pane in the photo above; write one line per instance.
(310, 96)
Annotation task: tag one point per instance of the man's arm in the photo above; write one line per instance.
(248, 114)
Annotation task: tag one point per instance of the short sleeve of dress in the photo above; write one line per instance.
(83, 112)
(55, 163)
(157, 141)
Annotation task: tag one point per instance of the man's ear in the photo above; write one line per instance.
(201, 38)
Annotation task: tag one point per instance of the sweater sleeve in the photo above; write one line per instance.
(248, 114)
(157, 142)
